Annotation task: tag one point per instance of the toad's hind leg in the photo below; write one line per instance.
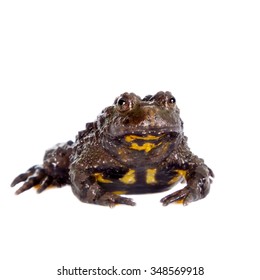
(54, 170)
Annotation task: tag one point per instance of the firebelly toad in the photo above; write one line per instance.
(135, 146)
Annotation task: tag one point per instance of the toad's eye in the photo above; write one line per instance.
(164, 99)
(172, 100)
(121, 102)
(126, 101)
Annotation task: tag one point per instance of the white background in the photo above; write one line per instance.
(61, 63)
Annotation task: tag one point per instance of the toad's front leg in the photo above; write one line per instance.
(198, 186)
(87, 189)
(53, 172)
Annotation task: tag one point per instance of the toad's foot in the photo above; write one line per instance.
(178, 197)
(34, 176)
(111, 199)
(198, 187)
(96, 195)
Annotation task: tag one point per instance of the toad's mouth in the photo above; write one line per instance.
(146, 142)
(143, 143)
(149, 137)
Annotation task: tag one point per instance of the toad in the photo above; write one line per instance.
(135, 146)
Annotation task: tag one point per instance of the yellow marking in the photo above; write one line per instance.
(181, 175)
(150, 176)
(131, 138)
(119, 192)
(99, 177)
(37, 186)
(147, 147)
(180, 201)
(49, 187)
(174, 180)
(129, 177)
